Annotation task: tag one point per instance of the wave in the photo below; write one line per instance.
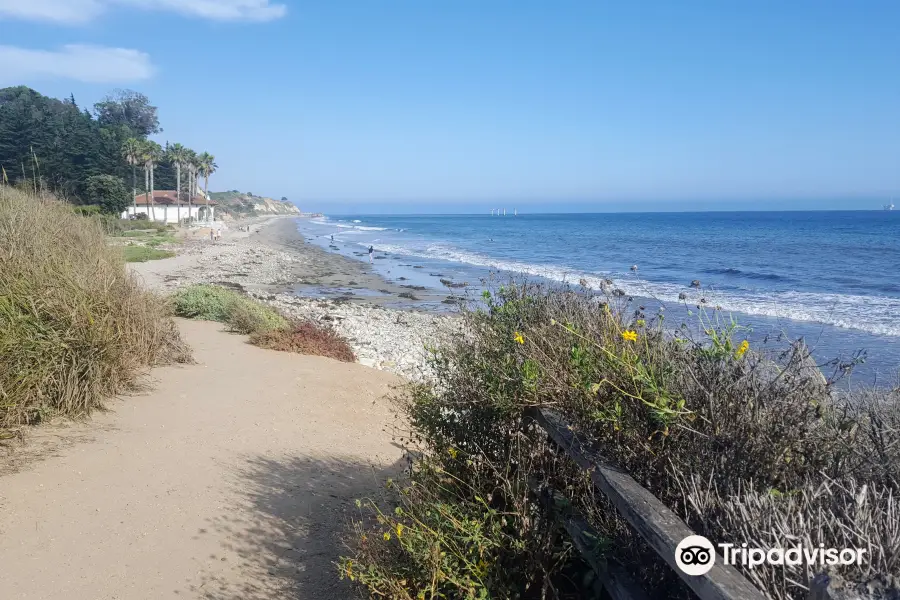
(747, 274)
(342, 225)
(872, 314)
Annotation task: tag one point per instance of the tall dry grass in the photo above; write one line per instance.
(75, 327)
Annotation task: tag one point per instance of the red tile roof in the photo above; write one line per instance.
(169, 198)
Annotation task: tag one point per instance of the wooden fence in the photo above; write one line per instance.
(650, 518)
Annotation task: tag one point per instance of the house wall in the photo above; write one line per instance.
(169, 214)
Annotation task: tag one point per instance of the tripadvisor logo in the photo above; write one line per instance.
(696, 555)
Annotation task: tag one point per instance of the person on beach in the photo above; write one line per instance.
(211, 234)
(332, 238)
(371, 254)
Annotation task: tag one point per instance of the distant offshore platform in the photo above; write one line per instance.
(497, 212)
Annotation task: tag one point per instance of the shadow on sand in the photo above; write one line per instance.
(286, 535)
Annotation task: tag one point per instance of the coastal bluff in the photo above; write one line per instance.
(238, 205)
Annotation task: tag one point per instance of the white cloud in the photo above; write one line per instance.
(92, 64)
(81, 11)
(216, 10)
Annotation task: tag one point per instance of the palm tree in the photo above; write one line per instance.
(177, 155)
(191, 164)
(145, 163)
(208, 166)
(131, 150)
(152, 154)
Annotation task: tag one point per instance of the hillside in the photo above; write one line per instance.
(239, 204)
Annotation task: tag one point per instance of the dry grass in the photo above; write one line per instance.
(75, 327)
(306, 338)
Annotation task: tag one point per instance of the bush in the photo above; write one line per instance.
(87, 210)
(75, 327)
(144, 253)
(108, 192)
(249, 317)
(306, 338)
(216, 303)
(747, 445)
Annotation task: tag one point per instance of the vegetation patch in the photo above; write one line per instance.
(145, 253)
(306, 338)
(746, 444)
(75, 327)
(216, 303)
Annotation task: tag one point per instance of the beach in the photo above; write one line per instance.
(387, 329)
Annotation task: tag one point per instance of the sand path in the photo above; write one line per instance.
(230, 480)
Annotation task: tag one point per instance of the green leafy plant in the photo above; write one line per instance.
(216, 303)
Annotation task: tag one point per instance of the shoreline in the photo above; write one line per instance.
(273, 263)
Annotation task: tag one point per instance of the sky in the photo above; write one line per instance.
(465, 105)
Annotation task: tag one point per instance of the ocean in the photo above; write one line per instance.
(829, 277)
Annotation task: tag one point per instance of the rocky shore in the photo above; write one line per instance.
(384, 338)
(272, 263)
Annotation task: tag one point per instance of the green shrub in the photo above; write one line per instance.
(741, 442)
(115, 226)
(86, 210)
(248, 317)
(216, 303)
(75, 327)
(108, 192)
(144, 253)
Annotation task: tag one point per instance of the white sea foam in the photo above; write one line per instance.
(873, 314)
(341, 225)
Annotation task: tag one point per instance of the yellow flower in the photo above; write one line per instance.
(482, 568)
(452, 451)
(350, 570)
(629, 336)
(386, 536)
(641, 322)
(742, 349)
(519, 338)
(399, 529)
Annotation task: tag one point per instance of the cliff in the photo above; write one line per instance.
(237, 204)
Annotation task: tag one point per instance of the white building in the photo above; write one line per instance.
(164, 206)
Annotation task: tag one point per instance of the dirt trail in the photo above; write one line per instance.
(230, 480)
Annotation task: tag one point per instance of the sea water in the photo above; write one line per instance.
(829, 277)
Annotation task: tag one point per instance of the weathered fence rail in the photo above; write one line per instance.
(650, 518)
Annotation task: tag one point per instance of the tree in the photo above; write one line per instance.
(208, 166)
(177, 155)
(145, 162)
(284, 199)
(108, 192)
(191, 168)
(128, 108)
(152, 155)
(132, 150)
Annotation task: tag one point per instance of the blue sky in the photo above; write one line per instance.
(464, 104)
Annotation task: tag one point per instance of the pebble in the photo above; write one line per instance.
(382, 338)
